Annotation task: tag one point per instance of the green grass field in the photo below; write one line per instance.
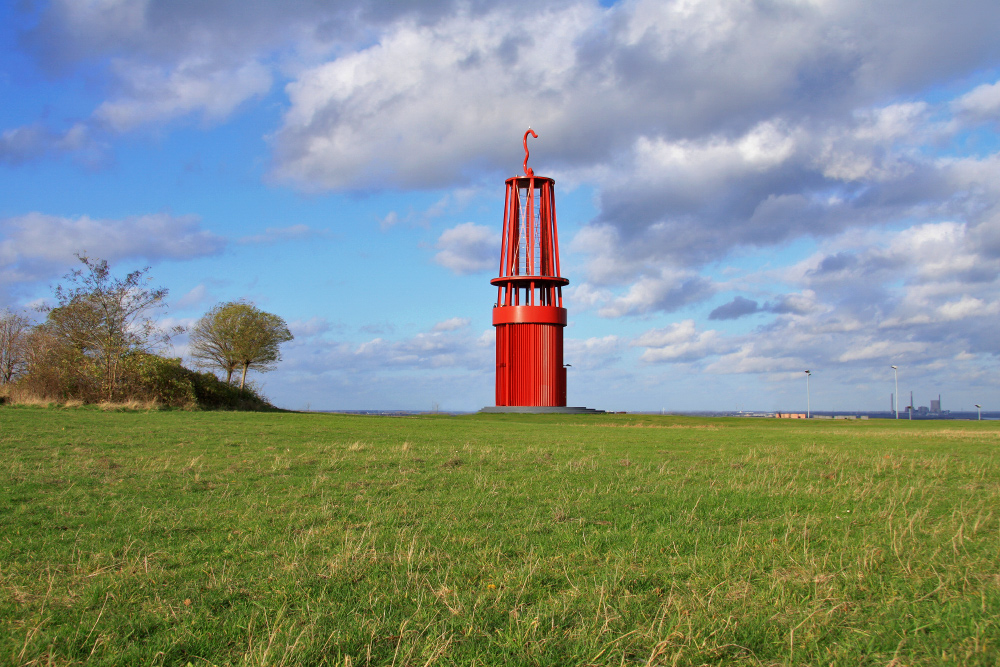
(176, 538)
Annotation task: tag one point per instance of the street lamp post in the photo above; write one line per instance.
(980, 408)
(808, 373)
(895, 397)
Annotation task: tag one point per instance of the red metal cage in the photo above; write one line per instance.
(528, 314)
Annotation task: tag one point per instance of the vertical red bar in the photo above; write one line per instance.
(529, 249)
(499, 367)
(545, 256)
(555, 231)
(562, 381)
(513, 228)
(503, 237)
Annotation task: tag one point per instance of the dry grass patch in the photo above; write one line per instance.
(705, 427)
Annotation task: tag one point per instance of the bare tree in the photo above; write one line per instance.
(15, 329)
(105, 319)
(238, 335)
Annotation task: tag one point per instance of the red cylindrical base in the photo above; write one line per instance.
(530, 369)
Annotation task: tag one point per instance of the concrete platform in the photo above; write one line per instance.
(541, 410)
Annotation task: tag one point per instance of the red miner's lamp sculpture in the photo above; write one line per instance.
(528, 315)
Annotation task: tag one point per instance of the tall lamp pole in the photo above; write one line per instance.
(808, 373)
(980, 408)
(895, 397)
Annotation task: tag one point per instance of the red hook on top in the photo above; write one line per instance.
(528, 171)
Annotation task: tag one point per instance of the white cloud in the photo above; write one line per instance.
(679, 342)
(607, 262)
(935, 250)
(430, 99)
(597, 352)
(434, 350)
(982, 102)
(965, 307)
(36, 246)
(796, 304)
(389, 221)
(196, 296)
(667, 292)
(678, 333)
(882, 349)
(452, 324)
(422, 105)
(314, 326)
(585, 296)
(468, 248)
(21, 144)
(715, 158)
(153, 94)
(875, 147)
(747, 360)
(924, 309)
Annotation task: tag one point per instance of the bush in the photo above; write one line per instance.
(145, 379)
(56, 372)
(211, 393)
(156, 379)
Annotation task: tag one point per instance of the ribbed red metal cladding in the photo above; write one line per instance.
(528, 315)
(529, 365)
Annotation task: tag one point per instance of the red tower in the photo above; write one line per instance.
(528, 315)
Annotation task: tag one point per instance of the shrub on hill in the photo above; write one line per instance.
(144, 379)
(99, 344)
(211, 393)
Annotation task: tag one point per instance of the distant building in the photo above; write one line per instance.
(790, 415)
(936, 405)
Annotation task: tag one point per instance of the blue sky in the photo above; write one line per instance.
(744, 190)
